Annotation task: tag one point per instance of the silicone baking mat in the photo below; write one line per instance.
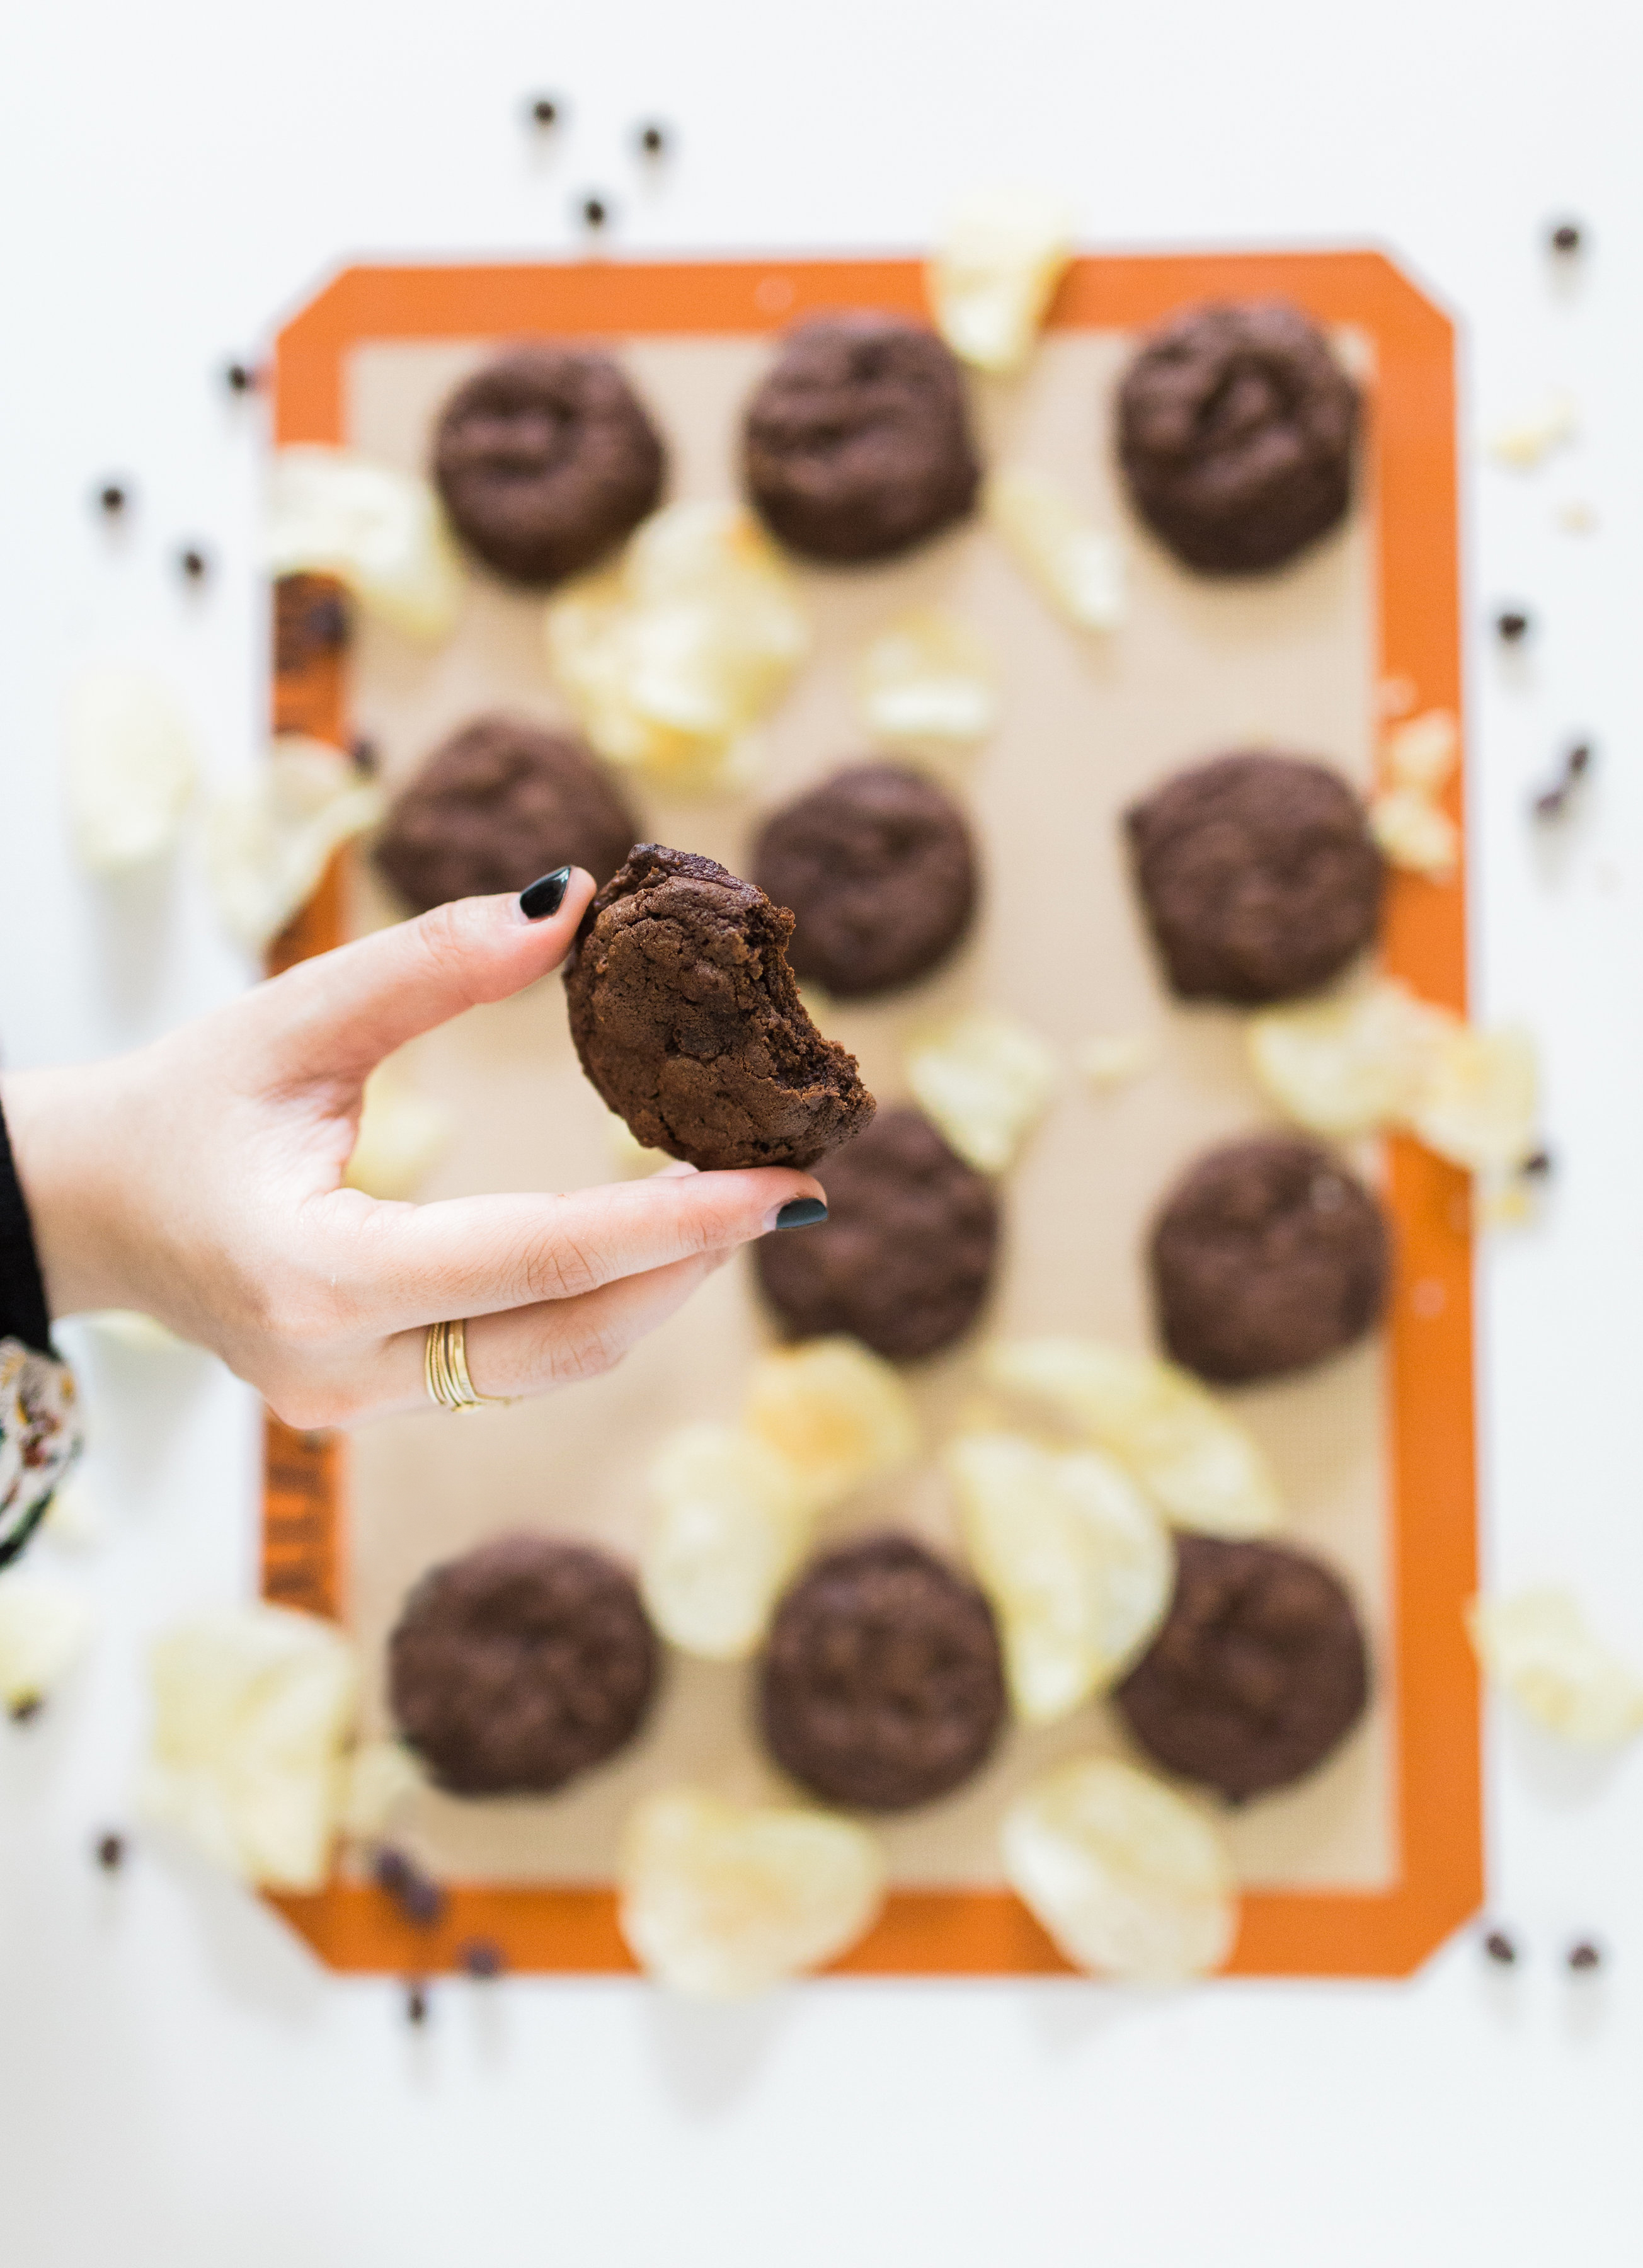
(1363, 1868)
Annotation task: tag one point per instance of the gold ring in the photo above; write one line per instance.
(445, 1370)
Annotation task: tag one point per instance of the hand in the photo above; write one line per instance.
(199, 1180)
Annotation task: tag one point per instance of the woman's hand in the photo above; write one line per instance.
(199, 1180)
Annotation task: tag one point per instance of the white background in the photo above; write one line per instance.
(178, 2083)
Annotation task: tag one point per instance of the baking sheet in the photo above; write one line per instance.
(1087, 724)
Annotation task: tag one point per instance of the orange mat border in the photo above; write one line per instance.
(1412, 476)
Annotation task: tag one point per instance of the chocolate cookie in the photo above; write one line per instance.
(497, 804)
(879, 871)
(857, 445)
(1236, 432)
(1259, 875)
(546, 459)
(1267, 1257)
(1257, 1671)
(520, 1665)
(687, 1020)
(904, 1258)
(881, 1685)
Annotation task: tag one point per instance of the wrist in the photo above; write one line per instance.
(59, 1126)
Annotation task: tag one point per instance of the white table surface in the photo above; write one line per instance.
(179, 2083)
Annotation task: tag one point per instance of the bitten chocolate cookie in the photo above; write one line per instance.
(878, 869)
(687, 1020)
(1258, 1671)
(857, 444)
(497, 804)
(1236, 432)
(520, 1665)
(546, 459)
(881, 1685)
(1259, 875)
(1267, 1257)
(904, 1259)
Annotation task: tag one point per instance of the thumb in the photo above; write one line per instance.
(337, 1015)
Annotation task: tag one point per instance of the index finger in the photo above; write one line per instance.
(338, 1014)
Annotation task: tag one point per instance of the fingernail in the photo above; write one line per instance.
(547, 896)
(800, 1212)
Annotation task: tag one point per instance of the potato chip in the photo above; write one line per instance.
(252, 1711)
(1521, 441)
(837, 1414)
(268, 845)
(1076, 1563)
(1477, 1105)
(1414, 834)
(724, 1899)
(1542, 1650)
(1129, 1879)
(379, 531)
(928, 680)
(131, 768)
(995, 271)
(380, 1779)
(1423, 752)
(1113, 1059)
(669, 658)
(1191, 1456)
(1350, 1062)
(730, 1525)
(985, 1081)
(402, 1137)
(1079, 568)
(44, 1630)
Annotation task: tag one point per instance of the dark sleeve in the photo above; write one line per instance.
(40, 1423)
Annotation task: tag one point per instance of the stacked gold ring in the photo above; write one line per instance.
(445, 1370)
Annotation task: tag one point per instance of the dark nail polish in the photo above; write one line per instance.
(547, 896)
(801, 1212)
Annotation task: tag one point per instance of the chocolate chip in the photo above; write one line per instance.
(390, 1868)
(110, 1853)
(596, 212)
(112, 498)
(366, 757)
(417, 1895)
(1499, 1948)
(1512, 626)
(483, 1956)
(1537, 1165)
(193, 563)
(415, 2004)
(1565, 238)
(1553, 801)
(545, 111)
(29, 1707)
(239, 378)
(652, 139)
(1584, 1956)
